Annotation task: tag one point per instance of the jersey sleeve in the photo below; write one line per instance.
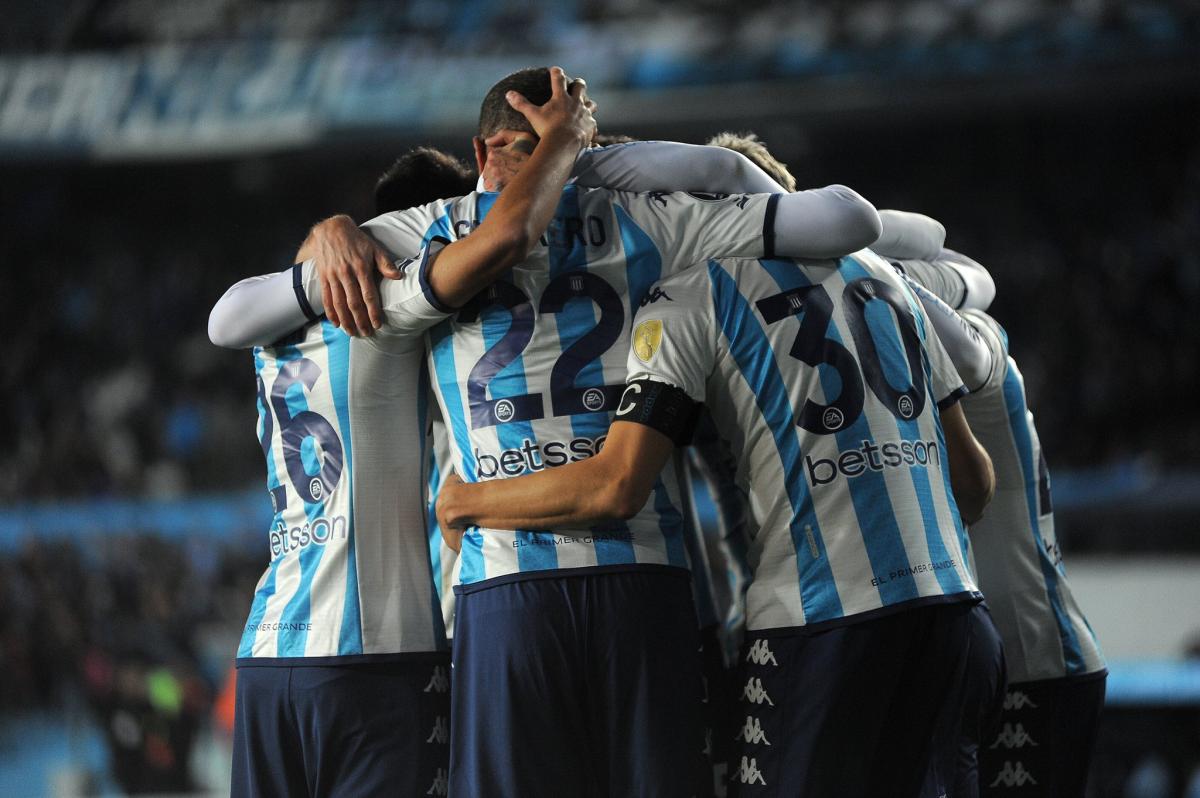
(689, 227)
(909, 235)
(408, 304)
(674, 335)
(967, 349)
(996, 340)
(670, 166)
(404, 233)
(946, 384)
(260, 310)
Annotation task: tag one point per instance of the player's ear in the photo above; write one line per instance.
(480, 153)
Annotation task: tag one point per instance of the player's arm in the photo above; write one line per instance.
(957, 280)
(971, 475)
(612, 484)
(347, 270)
(908, 236)
(671, 166)
(821, 223)
(967, 350)
(449, 276)
(258, 311)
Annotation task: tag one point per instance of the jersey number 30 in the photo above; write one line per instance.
(812, 347)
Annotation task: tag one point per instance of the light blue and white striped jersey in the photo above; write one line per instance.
(1017, 557)
(826, 377)
(342, 423)
(528, 374)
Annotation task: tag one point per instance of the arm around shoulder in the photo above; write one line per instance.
(823, 223)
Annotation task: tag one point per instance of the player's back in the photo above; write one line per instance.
(827, 378)
(342, 430)
(530, 372)
(1016, 552)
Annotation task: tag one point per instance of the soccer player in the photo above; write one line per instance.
(343, 676)
(1056, 672)
(540, 387)
(840, 404)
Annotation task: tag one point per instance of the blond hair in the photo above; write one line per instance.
(749, 145)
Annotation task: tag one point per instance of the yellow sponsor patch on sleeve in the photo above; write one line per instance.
(647, 337)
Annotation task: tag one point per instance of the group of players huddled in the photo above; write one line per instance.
(484, 417)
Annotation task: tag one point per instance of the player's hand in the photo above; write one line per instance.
(347, 262)
(568, 112)
(452, 532)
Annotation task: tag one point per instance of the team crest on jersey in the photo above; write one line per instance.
(647, 337)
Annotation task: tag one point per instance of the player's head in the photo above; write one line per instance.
(419, 176)
(505, 139)
(749, 145)
(495, 114)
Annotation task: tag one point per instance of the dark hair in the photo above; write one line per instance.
(420, 176)
(496, 114)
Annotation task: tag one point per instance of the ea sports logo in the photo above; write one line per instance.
(905, 406)
(593, 399)
(833, 419)
(316, 488)
(504, 410)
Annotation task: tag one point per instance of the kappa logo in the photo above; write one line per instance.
(754, 692)
(760, 653)
(655, 294)
(1017, 700)
(440, 733)
(752, 732)
(1013, 776)
(1013, 735)
(440, 783)
(749, 773)
(439, 682)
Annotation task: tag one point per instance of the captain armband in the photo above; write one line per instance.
(661, 407)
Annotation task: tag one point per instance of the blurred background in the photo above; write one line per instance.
(152, 152)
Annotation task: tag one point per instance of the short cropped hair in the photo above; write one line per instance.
(749, 145)
(420, 176)
(496, 114)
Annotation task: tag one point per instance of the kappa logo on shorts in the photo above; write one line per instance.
(760, 653)
(752, 732)
(1013, 736)
(440, 783)
(1013, 776)
(441, 731)
(1015, 699)
(439, 682)
(749, 773)
(755, 693)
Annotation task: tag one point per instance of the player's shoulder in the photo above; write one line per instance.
(682, 289)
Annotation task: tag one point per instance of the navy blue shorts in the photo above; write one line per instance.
(847, 711)
(577, 685)
(720, 706)
(342, 730)
(1047, 733)
(974, 717)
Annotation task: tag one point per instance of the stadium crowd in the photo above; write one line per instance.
(665, 42)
